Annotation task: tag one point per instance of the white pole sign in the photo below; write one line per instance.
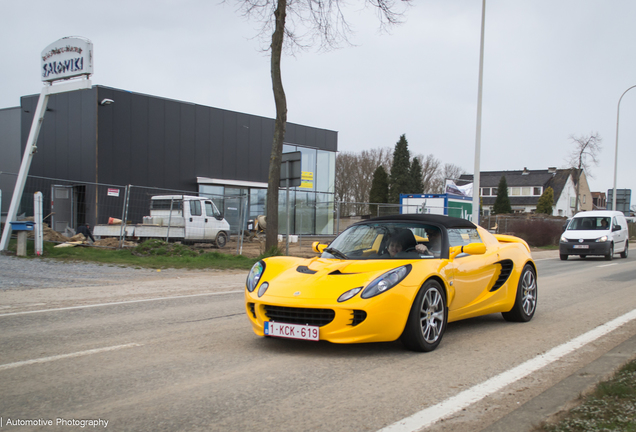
(67, 58)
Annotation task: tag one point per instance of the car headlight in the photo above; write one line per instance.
(349, 294)
(385, 282)
(563, 239)
(255, 275)
(602, 239)
(262, 289)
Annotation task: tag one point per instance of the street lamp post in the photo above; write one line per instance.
(476, 175)
(618, 110)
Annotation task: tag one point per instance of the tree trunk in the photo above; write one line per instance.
(280, 100)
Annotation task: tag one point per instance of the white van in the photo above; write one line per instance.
(597, 232)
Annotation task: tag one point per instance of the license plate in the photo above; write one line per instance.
(581, 246)
(291, 331)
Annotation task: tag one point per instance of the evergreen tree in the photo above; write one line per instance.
(546, 201)
(502, 203)
(399, 180)
(416, 177)
(379, 192)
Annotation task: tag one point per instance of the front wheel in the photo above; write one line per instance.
(626, 250)
(221, 239)
(427, 319)
(526, 299)
(610, 254)
(564, 257)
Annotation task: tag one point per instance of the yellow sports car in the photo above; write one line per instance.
(402, 276)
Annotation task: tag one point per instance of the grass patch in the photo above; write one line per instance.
(151, 254)
(611, 407)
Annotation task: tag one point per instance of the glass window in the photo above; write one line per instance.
(308, 168)
(324, 213)
(537, 191)
(258, 202)
(494, 191)
(463, 236)
(282, 211)
(195, 208)
(325, 171)
(211, 210)
(305, 212)
(526, 191)
(485, 191)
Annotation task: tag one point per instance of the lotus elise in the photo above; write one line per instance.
(396, 277)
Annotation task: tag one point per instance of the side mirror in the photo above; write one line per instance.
(617, 228)
(219, 216)
(470, 249)
(318, 247)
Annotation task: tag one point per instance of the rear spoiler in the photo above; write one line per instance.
(502, 238)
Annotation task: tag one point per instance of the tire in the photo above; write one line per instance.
(526, 299)
(221, 239)
(427, 319)
(626, 251)
(564, 257)
(583, 256)
(610, 254)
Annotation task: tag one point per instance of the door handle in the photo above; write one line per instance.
(206, 220)
(190, 219)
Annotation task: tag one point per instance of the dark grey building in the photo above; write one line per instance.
(109, 136)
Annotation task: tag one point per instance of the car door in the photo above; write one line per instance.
(212, 223)
(619, 233)
(472, 275)
(194, 220)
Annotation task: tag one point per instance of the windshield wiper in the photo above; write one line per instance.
(335, 252)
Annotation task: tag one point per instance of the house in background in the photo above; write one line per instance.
(599, 200)
(525, 187)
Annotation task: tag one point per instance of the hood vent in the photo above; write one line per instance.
(305, 270)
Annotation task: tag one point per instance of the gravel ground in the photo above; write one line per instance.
(26, 273)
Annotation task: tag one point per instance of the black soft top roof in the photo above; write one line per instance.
(445, 221)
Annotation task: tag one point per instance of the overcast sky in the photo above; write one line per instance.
(553, 69)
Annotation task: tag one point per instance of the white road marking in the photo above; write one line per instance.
(118, 303)
(607, 265)
(64, 356)
(447, 408)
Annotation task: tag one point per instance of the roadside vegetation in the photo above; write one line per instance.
(610, 408)
(149, 254)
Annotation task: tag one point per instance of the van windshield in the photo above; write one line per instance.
(589, 223)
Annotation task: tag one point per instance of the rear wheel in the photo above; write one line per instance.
(610, 254)
(221, 239)
(626, 251)
(526, 299)
(583, 256)
(427, 320)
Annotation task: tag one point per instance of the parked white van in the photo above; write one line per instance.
(597, 232)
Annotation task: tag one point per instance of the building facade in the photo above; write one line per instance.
(115, 137)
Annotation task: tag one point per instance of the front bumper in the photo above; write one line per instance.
(352, 321)
(584, 248)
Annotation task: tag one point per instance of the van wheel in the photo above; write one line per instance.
(626, 251)
(610, 254)
(221, 239)
(564, 257)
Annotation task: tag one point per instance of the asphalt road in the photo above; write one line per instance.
(185, 358)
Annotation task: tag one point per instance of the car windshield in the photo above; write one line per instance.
(588, 223)
(386, 240)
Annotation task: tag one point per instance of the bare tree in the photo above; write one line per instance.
(430, 172)
(300, 24)
(584, 155)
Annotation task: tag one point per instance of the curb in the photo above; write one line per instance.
(563, 396)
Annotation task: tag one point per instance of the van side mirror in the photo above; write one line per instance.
(617, 228)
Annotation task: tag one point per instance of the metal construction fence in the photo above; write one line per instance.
(69, 204)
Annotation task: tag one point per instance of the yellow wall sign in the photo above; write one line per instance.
(307, 180)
